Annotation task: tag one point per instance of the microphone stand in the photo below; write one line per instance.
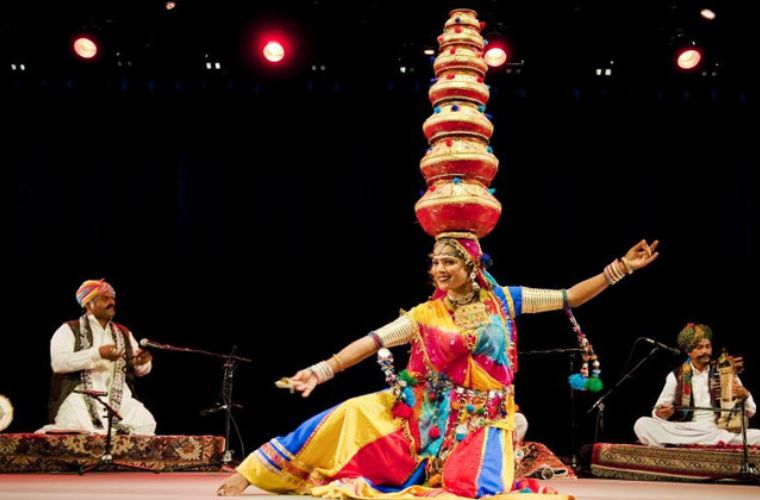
(571, 352)
(106, 459)
(231, 362)
(747, 471)
(599, 404)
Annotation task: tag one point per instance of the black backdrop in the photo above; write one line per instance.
(277, 216)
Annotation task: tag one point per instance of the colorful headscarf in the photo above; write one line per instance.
(691, 334)
(467, 248)
(91, 289)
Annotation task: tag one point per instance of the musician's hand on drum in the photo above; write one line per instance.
(664, 411)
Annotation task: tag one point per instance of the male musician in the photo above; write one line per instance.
(694, 384)
(94, 353)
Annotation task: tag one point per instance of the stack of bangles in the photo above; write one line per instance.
(612, 271)
(323, 371)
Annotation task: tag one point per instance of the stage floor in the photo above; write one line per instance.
(182, 485)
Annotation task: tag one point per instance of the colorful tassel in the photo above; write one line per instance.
(594, 384)
(401, 410)
(577, 381)
(434, 432)
(407, 377)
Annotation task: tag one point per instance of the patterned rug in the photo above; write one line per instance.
(67, 452)
(680, 463)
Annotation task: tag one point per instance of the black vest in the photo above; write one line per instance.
(713, 384)
(62, 384)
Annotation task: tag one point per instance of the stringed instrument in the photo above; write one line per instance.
(727, 371)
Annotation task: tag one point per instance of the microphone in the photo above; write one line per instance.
(169, 347)
(672, 350)
(150, 343)
(165, 347)
(209, 411)
(218, 408)
(91, 392)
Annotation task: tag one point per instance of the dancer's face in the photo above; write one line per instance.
(450, 273)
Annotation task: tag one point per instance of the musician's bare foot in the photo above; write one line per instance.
(233, 486)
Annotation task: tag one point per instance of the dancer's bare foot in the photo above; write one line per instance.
(233, 486)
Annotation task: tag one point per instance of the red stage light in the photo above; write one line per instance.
(85, 47)
(495, 55)
(688, 58)
(273, 51)
(498, 49)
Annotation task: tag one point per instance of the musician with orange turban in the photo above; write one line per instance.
(94, 353)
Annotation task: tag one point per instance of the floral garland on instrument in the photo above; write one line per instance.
(582, 381)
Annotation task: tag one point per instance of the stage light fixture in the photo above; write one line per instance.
(212, 63)
(85, 47)
(277, 49)
(273, 51)
(497, 51)
(688, 54)
(604, 69)
(689, 58)
(708, 14)
(495, 56)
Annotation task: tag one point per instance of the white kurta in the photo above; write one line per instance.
(701, 429)
(73, 413)
(521, 427)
